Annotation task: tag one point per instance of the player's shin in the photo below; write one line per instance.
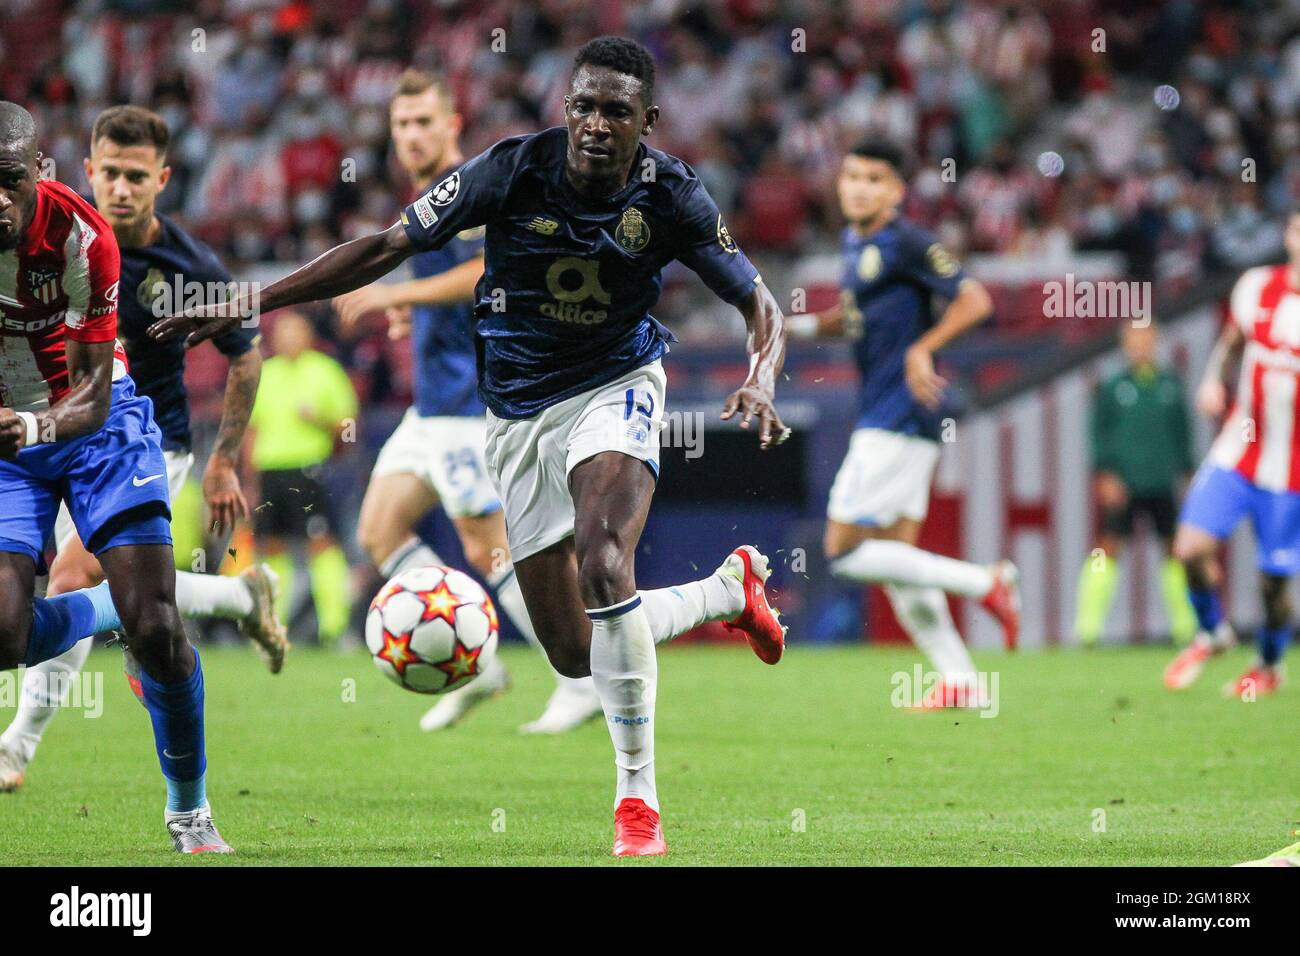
(511, 600)
(924, 614)
(1272, 644)
(676, 610)
(413, 554)
(44, 688)
(625, 671)
(176, 711)
(897, 562)
(212, 595)
(1096, 590)
(60, 622)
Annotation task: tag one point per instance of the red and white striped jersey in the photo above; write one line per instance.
(59, 283)
(1261, 436)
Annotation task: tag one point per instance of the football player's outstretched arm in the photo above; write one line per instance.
(828, 323)
(83, 409)
(765, 344)
(1212, 395)
(344, 268)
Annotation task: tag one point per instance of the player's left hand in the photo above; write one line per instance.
(752, 400)
(925, 384)
(223, 494)
(13, 434)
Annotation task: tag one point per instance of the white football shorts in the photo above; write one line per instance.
(530, 458)
(885, 476)
(446, 453)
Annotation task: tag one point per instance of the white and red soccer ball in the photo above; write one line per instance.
(432, 629)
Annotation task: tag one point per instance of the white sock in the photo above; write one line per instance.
(511, 600)
(414, 554)
(894, 562)
(923, 612)
(625, 672)
(36, 705)
(212, 595)
(673, 611)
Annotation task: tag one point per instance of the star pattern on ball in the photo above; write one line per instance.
(441, 603)
(490, 610)
(387, 591)
(397, 651)
(463, 662)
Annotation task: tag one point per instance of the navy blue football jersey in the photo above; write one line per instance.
(175, 272)
(564, 303)
(446, 378)
(888, 282)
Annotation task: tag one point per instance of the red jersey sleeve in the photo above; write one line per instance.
(92, 276)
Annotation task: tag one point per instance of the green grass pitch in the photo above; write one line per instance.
(804, 763)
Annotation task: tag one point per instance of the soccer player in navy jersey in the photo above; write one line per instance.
(436, 455)
(580, 222)
(892, 270)
(73, 430)
(127, 170)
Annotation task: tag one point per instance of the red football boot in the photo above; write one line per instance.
(636, 829)
(1003, 601)
(1260, 679)
(949, 695)
(759, 621)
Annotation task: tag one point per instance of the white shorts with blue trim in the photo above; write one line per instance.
(529, 459)
(446, 453)
(885, 476)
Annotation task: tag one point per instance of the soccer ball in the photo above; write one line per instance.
(432, 629)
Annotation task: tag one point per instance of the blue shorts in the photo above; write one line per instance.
(103, 475)
(1219, 498)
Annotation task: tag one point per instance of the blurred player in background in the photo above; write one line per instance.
(892, 270)
(72, 430)
(435, 457)
(127, 170)
(1141, 450)
(1253, 469)
(580, 223)
(304, 405)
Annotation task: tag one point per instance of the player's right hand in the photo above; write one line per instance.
(201, 323)
(13, 434)
(1212, 399)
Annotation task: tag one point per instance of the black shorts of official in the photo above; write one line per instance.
(1160, 509)
(294, 504)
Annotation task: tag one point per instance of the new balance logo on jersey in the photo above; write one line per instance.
(543, 226)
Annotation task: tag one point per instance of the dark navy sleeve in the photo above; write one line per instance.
(925, 260)
(706, 247)
(465, 198)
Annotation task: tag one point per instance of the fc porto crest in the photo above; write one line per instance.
(44, 285)
(869, 263)
(632, 233)
(150, 289)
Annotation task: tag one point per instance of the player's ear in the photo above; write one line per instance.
(89, 168)
(164, 177)
(651, 117)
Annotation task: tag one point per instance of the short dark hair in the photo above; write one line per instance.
(132, 126)
(621, 54)
(883, 150)
(17, 127)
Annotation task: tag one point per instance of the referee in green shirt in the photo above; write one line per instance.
(1141, 451)
(303, 405)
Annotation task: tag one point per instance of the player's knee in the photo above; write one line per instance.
(603, 574)
(13, 641)
(157, 639)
